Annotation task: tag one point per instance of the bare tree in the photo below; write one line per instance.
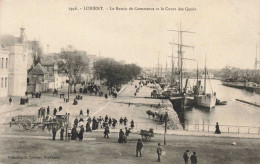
(73, 65)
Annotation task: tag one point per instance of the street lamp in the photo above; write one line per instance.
(165, 124)
(67, 124)
(68, 81)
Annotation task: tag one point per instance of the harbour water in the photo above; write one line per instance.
(234, 113)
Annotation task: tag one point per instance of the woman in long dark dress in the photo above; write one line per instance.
(74, 133)
(94, 122)
(81, 133)
(109, 121)
(88, 129)
(217, 131)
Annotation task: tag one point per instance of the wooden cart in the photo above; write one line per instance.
(28, 122)
(147, 135)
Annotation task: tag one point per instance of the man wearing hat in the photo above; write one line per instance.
(159, 152)
(121, 136)
(186, 156)
(193, 158)
(139, 147)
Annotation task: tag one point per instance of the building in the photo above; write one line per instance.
(50, 65)
(90, 76)
(61, 81)
(14, 52)
(37, 80)
(4, 72)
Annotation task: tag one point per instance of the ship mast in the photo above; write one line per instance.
(180, 58)
(180, 55)
(197, 77)
(158, 68)
(205, 78)
(172, 66)
(256, 63)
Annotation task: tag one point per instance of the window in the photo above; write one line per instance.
(6, 82)
(2, 82)
(6, 63)
(2, 63)
(28, 80)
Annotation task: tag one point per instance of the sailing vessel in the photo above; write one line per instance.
(201, 97)
(180, 98)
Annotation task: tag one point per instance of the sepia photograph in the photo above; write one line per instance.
(129, 81)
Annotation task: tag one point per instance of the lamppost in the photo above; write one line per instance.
(68, 81)
(67, 124)
(165, 124)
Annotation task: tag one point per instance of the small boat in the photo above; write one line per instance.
(218, 102)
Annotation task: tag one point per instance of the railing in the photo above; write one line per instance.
(223, 128)
(200, 128)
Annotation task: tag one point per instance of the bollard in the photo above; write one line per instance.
(238, 130)
(248, 129)
(208, 127)
(228, 129)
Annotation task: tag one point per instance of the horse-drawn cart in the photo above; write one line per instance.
(29, 122)
(147, 135)
(26, 121)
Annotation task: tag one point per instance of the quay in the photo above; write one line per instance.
(247, 102)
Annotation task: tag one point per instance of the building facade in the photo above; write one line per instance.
(37, 80)
(4, 72)
(51, 66)
(14, 52)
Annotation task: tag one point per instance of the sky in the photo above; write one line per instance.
(226, 31)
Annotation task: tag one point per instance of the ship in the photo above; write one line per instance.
(179, 95)
(253, 87)
(233, 83)
(201, 97)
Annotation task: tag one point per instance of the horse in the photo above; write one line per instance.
(149, 112)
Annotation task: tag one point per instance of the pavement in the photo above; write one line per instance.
(96, 149)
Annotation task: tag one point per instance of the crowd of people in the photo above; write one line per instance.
(99, 122)
(44, 114)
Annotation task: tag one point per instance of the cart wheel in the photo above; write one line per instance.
(26, 124)
(146, 138)
(149, 138)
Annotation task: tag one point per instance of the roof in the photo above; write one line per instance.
(47, 61)
(62, 112)
(38, 70)
(9, 40)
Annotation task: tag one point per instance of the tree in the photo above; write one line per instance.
(73, 65)
(114, 72)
